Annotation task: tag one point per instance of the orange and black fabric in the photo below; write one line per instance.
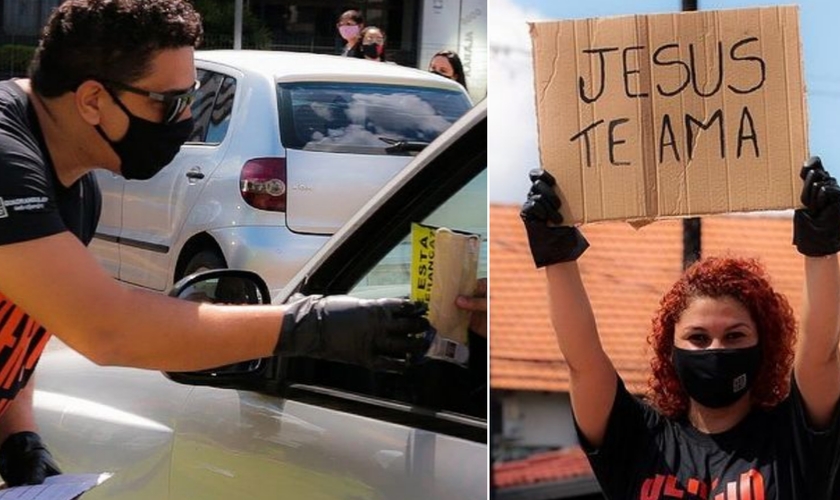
(33, 204)
(22, 340)
(770, 455)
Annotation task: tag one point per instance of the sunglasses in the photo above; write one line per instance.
(176, 102)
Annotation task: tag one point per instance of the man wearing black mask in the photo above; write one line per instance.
(732, 413)
(110, 87)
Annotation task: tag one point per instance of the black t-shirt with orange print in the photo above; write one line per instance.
(33, 204)
(770, 455)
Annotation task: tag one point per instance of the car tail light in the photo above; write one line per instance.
(262, 183)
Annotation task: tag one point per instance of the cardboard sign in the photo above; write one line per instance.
(663, 115)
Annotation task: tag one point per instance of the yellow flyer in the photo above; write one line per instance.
(444, 264)
(422, 262)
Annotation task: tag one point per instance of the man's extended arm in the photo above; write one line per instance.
(58, 282)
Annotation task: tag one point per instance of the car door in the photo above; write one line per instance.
(344, 140)
(154, 211)
(106, 419)
(326, 430)
(105, 243)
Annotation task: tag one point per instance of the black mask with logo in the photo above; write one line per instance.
(717, 378)
(147, 146)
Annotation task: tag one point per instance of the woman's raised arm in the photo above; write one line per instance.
(816, 233)
(556, 248)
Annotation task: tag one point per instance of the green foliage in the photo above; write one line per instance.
(15, 59)
(218, 18)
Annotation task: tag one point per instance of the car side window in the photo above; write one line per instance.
(222, 109)
(203, 105)
(428, 383)
(465, 211)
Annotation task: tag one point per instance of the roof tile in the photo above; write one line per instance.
(549, 466)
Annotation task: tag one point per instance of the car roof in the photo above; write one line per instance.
(301, 66)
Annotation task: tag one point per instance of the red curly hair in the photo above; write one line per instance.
(746, 281)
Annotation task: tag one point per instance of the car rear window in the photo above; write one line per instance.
(365, 118)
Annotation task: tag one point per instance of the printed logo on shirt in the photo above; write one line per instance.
(3, 212)
(23, 204)
(749, 486)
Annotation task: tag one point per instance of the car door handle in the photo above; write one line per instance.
(195, 173)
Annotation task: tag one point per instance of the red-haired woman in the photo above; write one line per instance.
(732, 412)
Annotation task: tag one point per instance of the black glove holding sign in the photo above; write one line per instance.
(350, 330)
(25, 460)
(550, 242)
(816, 228)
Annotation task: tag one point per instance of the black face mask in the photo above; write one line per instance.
(370, 50)
(717, 378)
(438, 73)
(147, 146)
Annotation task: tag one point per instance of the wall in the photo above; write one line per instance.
(459, 25)
(25, 18)
(534, 421)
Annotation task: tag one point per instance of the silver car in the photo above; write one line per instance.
(286, 147)
(299, 428)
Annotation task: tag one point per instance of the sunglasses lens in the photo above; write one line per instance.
(177, 108)
(178, 105)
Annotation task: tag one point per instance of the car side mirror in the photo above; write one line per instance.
(222, 286)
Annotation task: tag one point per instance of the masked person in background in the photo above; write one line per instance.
(350, 24)
(373, 44)
(448, 65)
(110, 87)
(732, 411)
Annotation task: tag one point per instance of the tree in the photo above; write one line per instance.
(218, 19)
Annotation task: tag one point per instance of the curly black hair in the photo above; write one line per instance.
(108, 40)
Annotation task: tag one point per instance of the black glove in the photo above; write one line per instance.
(25, 460)
(351, 330)
(549, 244)
(816, 228)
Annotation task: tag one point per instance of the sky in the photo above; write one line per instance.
(513, 133)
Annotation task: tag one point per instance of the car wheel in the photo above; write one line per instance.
(204, 261)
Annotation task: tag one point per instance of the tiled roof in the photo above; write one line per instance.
(549, 466)
(626, 272)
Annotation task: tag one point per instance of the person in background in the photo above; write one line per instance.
(477, 369)
(373, 44)
(477, 305)
(447, 64)
(350, 24)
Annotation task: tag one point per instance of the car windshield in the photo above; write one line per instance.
(365, 118)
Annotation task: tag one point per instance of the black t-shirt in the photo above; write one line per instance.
(770, 455)
(33, 204)
(354, 51)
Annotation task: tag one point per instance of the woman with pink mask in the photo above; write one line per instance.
(350, 25)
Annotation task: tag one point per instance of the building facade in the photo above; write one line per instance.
(415, 29)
